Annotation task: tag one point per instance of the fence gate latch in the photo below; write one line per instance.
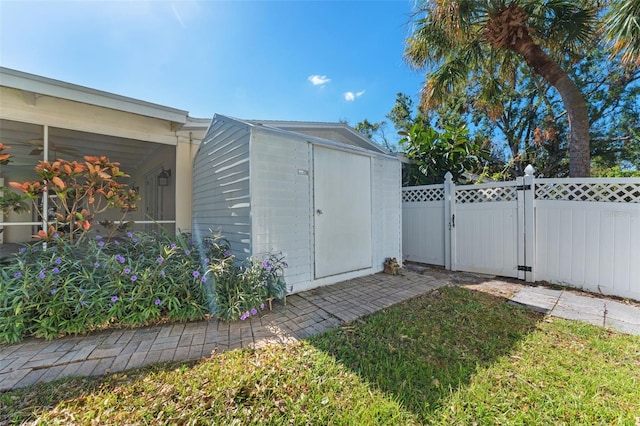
(523, 187)
(524, 268)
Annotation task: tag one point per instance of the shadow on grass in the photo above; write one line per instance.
(424, 349)
(24, 405)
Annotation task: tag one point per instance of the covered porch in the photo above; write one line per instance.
(44, 119)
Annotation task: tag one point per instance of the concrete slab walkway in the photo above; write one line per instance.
(305, 314)
(601, 311)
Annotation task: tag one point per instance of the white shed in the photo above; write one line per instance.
(321, 194)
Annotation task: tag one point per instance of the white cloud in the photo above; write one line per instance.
(318, 80)
(350, 96)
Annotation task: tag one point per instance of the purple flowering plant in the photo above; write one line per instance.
(242, 288)
(118, 281)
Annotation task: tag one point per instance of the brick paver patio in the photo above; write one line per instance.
(305, 314)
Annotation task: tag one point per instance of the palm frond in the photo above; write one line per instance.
(428, 44)
(561, 23)
(444, 80)
(622, 24)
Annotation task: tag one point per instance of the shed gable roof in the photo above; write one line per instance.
(330, 132)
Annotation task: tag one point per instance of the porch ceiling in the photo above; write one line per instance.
(26, 141)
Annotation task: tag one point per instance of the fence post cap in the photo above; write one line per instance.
(529, 170)
(448, 176)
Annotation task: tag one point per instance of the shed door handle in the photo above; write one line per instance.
(319, 211)
(453, 220)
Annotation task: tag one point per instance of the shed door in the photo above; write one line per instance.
(342, 210)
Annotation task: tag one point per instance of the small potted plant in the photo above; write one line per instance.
(391, 266)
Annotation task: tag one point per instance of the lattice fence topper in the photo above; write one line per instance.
(486, 195)
(422, 194)
(590, 191)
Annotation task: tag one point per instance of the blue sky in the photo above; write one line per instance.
(286, 60)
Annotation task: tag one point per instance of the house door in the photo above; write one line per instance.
(342, 211)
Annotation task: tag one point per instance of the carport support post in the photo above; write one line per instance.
(449, 221)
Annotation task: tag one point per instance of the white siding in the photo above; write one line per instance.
(221, 197)
(281, 202)
(386, 211)
(254, 184)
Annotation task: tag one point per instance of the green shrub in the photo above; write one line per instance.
(241, 289)
(58, 287)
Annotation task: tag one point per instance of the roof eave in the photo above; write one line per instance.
(73, 92)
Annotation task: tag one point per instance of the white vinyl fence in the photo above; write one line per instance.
(582, 232)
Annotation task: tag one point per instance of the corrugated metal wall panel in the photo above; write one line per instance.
(221, 187)
(281, 202)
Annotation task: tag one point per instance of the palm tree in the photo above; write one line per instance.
(457, 39)
(622, 24)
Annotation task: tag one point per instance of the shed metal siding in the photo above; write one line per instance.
(281, 202)
(221, 187)
(254, 184)
(387, 211)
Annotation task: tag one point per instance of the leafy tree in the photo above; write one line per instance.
(403, 116)
(457, 39)
(436, 153)
(375, 132)
(612, 90)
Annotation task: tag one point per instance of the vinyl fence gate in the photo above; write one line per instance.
(582, 232)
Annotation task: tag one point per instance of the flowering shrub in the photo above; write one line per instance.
(241, 289)
(82, 189)
(140, 278)
(10, 201)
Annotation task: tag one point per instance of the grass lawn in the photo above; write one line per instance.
(454, 356)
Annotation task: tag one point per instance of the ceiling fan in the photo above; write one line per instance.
(38, 148)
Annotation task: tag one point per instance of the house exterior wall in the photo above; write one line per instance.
(186, 150)
(118, 118)
(221, 192)
(281, 203)
(67, 114)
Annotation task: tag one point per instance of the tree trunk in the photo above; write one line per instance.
(536, 58)
(508, 30)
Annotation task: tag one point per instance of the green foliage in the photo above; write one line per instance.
(402, 115)
(82, 189)
(451, 357)
(492, 40)
(622, 25)
(437, 153)
(58, 287)
(12, 202)
(376, 133)
(614, 172)
(241, 289)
